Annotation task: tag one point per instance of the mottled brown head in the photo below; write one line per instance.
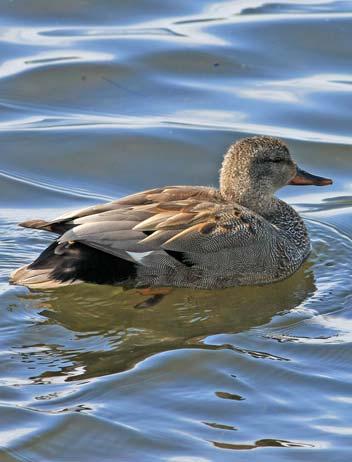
(255, 168)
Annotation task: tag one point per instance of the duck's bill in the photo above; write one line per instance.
(303, 178)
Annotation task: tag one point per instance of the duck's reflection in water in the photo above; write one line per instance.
(106, 334)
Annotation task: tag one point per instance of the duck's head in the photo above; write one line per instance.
(255, 168)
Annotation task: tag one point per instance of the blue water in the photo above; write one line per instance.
(102, 98)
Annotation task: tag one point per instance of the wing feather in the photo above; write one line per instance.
(143, 226)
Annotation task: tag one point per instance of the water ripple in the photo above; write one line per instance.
(65, 190)
(98, 99)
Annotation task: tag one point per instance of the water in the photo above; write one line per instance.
(102, 98)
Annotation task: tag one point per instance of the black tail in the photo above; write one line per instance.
(74, 263)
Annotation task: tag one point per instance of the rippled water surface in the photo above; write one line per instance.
(99, 98)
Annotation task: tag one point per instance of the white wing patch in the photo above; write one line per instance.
(138, 256)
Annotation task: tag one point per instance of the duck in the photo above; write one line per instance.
(185, 236)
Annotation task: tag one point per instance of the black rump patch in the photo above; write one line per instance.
(78, 261)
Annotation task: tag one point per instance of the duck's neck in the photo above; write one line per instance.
(239, 186)
(242, 192)
(253, 200)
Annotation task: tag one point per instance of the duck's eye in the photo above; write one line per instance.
(275, 161)
(269, 160)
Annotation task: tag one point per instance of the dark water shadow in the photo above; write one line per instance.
(108, 335)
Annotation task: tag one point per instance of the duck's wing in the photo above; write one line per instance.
(152, 196)
(110, 227)
(152, 225)
(151, 234)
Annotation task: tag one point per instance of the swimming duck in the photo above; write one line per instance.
(186, 236)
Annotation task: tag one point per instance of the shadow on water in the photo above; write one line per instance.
(110, 335)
